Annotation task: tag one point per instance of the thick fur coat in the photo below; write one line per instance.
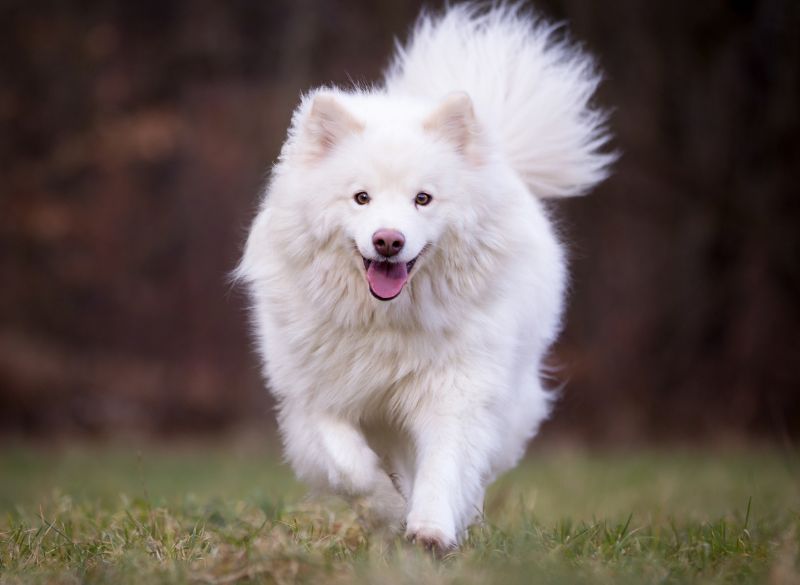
(411, 376)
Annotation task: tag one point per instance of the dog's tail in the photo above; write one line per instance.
(529, 87)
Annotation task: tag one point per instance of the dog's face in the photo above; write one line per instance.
(391, 188)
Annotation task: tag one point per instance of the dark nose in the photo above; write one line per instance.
(388, 242)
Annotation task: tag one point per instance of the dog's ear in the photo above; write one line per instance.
(454, 120)
(327, 123)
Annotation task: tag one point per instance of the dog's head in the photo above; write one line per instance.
(387, 178)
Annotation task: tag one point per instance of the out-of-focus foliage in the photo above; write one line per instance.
(135, 136)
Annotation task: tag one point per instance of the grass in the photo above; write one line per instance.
(220, 516)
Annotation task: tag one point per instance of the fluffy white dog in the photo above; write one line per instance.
(406, 281)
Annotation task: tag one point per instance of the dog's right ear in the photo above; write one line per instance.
(327, 123)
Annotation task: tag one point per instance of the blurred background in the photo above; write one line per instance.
(135, 137)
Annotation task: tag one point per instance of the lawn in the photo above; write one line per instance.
(226, 514)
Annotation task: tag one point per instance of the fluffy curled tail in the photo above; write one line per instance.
(530, 88)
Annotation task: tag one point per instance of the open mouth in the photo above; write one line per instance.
(387, 279)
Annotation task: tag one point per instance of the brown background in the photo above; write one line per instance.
(135, 136)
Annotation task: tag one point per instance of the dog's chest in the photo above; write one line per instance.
(373, 371)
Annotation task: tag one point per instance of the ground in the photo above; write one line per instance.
(227, 514)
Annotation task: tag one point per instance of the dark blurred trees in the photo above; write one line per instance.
(135, 136)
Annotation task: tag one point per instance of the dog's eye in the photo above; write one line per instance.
(362, 197)
(422, 199)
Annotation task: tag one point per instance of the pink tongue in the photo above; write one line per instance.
(386, 279)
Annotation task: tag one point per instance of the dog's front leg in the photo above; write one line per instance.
(330, 452)
(449, 479)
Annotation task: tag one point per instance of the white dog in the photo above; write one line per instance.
(406, 281)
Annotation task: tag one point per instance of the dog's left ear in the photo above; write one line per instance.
(328, 122)
(454, 120)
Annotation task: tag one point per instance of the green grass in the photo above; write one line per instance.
(219, 516)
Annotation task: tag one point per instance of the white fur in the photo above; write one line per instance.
(439, 387)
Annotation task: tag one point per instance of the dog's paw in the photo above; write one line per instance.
(383, 508)
(430, 537)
